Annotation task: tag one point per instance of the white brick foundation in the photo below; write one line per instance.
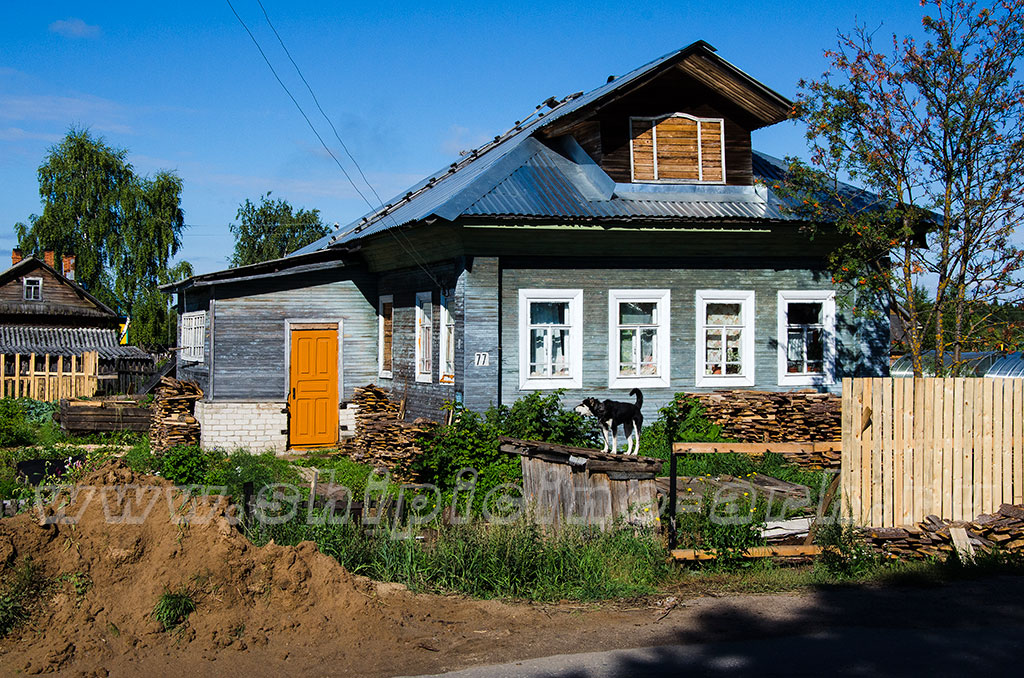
(256, 427)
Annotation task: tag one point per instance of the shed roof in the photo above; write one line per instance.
(516, 174)
(65, 341)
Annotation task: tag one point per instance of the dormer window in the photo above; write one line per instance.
(678, 148)
(33, 289)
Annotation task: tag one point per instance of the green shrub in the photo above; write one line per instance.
(843, 554)
(174, 607)
(240, 467)
(14, 425)
(683, 420)
(185, 464)
(727, 527)
(341, 471)
(20, 591)
(471, 440)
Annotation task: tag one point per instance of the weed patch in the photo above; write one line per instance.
(19, 593)
(173, 607)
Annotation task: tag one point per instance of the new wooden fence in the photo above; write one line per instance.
(952, 447)
(46, 377)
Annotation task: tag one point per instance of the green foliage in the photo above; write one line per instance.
(728, 527)
(340, 471)
(935, 128)
(185, 464)
(19, 592)
(122, 228)
(472, 440)
(271, 230)
(240, 467)
(843, 554)
(516, 560)
(173, 607)
(681, 420)
(14, 427)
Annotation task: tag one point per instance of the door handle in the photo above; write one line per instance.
(293, 393)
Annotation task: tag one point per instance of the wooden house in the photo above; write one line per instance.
(626, 237)
(44, 313)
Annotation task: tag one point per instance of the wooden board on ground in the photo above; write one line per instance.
(812, 455)
(782, 551)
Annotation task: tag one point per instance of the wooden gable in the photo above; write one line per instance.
(59, 299)
(682, 125)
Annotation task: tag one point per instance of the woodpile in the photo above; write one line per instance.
(932, 538)
(768, 416)
(382, 438)
(174, 422)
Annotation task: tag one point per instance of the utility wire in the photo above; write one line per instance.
(252, 37)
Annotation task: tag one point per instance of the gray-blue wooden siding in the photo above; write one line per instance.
(249, 330)
(862, 345)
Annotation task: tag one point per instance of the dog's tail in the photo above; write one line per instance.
(639, 397)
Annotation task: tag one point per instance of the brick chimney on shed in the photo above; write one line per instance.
(48, 257)
(67, 265)
(16, 256)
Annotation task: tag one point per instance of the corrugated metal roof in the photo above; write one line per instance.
(450, 192)
(65, 341)
(976, 364)
(1010, 365)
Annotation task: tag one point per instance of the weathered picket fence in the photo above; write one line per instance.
(47, 377)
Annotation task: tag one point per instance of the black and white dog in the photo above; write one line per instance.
(611, 414)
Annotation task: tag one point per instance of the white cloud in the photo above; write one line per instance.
(18, 134)
(75, 28)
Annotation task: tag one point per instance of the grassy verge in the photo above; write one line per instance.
(516, 560)
(21, 590)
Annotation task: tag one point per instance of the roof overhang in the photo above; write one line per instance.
(320, 260)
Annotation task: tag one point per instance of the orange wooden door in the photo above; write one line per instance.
(313, 396)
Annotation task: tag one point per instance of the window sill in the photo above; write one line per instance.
(549, 383)
(385, 375)
(730, 381)
(424, 378)
(637, 382)
(806, 380)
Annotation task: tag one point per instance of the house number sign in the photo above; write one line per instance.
(482, 359)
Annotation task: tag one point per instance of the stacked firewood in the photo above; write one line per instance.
(931, 537)
(767, 416)
(173, 421)
(382, 439)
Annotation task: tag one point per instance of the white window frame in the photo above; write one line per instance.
(424, 349)
(827, 299)
(748, 359)
(662, 298)
(446, 344)
(25, 287)
(381, 300)
(193, 336)
(575, 300)
(700, 151)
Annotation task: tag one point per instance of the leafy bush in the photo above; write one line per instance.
(471, 440)
(341, 471)
(843, 555)
(185, 464)
(726, 527)
(14, 426)
(240, 467)
(683, 420)
(516, 560)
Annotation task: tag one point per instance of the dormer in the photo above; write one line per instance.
(683, 119)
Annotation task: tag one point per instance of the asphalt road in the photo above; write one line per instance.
(995, 651)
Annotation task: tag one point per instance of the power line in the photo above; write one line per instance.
(252, 37)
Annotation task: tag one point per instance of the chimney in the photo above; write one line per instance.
(67, 265)
(48, 258)
(16, 256)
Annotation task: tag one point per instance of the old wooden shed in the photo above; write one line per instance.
(565, 485)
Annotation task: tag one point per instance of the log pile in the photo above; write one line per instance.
(768, 416)
(382, 439)
(1003, 529)
(174, 422)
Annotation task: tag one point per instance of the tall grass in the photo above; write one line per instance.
(516, 560)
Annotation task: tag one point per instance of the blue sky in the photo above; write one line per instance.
(407, 85)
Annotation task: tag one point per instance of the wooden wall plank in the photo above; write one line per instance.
(920, 449)
(848, 462)
(877, 433)
(1018, 441)
(867, 454)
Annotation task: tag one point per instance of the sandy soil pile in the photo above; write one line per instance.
(268, 601)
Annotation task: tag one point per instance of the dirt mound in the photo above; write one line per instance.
(134, 536)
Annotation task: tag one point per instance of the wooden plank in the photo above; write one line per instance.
(902, 416)
(753, 448)
(988, 445)
(982, 422)
(996, 488)
(959, 430)
(919, 450)
(1018, 441)
(962, 543)
(889, 475)
(933, 500)
(867, 455)
(782, 551)
(1006, 447)
(848, 463)
(877, 455)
